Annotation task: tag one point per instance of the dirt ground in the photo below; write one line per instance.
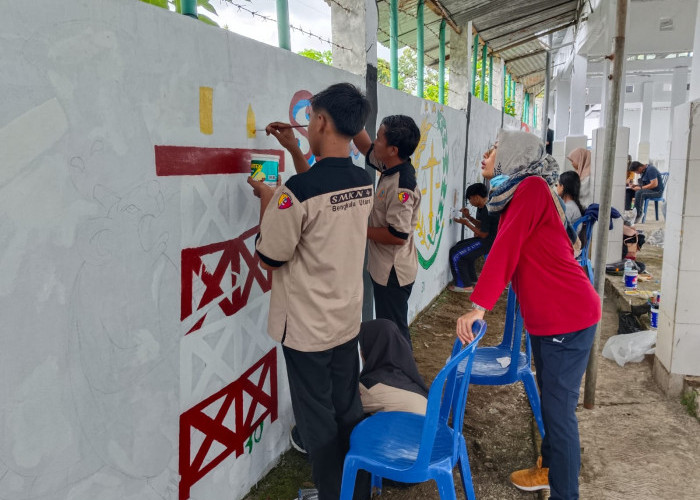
(498, 420)
(636, 443)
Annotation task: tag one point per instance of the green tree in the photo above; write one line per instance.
(325, 57)
(477, 86)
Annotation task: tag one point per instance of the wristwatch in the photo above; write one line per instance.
(478, 307)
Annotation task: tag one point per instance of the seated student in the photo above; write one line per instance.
(580, 159)
(649, 186)
(464, 254)
(389, 380)
(629, 184)
(568, 188)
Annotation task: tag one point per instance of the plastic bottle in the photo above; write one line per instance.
(630, 275)
(628, 266)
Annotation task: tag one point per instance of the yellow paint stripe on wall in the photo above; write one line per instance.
(206, 100)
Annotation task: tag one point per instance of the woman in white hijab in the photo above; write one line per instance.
(560, 308)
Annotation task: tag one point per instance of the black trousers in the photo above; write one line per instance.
(463, 257)
(324, 387)
(391, 302)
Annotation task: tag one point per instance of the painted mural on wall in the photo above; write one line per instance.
(432, 162)
(439, 164)
(136, 364)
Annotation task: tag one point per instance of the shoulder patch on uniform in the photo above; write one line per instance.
(404, 196)
(284, 201)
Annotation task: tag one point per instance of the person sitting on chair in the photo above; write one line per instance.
(464, 254)
(568, 188)
(389, 380)
(649, 186)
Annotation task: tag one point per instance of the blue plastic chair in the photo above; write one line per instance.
(664, 181)
(585, 259)
(413, 448)
(488, 371)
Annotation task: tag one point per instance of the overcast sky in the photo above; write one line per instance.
(311, 15)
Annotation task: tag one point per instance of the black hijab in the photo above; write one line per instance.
(388, 358)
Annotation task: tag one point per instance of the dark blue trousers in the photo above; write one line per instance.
(560, 361)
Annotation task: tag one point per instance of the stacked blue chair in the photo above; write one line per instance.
(588, 221)
(488, 371)
(664, 181)
(414, 448)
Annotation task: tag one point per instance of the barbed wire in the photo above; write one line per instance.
(340, 5)
(257, 14)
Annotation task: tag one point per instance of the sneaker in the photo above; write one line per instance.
(308, 494)
(296, 441)
(460, 289)
(532, 479)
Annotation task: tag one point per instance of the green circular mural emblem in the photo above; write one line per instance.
(431, 161)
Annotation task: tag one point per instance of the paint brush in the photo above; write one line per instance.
(282, 128)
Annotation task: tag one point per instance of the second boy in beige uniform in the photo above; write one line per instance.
(393, 261)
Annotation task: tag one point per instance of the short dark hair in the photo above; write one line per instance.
(477, 189)
(636, 165)
(346, 106)
(401, 131)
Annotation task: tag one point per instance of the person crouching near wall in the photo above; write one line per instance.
(560, 307)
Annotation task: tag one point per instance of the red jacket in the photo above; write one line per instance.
(533, 251)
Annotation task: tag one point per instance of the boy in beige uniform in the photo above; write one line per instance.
(313, 234)
(393, 262)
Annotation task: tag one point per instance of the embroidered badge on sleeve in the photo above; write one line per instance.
(284, 201)
(404, 196)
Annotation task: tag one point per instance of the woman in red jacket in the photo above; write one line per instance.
(560, 308)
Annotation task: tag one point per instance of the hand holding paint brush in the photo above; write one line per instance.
(284, 134)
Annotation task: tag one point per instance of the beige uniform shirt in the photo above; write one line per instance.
(314, 233)
(396, 206)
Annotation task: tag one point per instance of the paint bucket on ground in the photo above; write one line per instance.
(631, 279)
(654, 317)
(265, 168)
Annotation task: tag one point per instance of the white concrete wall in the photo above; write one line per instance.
(97, 370)
(678, 342)
(106, 364)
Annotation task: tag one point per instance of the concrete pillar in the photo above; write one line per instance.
(614, 252)
(559, 154)
(519, 100)
(561, 113)
(678, 341)
(497, 88)
(350, 29)
(695, 68)
(578, 95)
(679, 89)
(645, 125)
(460, 55)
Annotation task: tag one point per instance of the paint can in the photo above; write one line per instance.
(631, 279)
(656, 298)
(654, 317)
(265, 168)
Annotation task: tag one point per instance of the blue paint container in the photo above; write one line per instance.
(631, 279)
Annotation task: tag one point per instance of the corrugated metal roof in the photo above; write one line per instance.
(510, 28)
